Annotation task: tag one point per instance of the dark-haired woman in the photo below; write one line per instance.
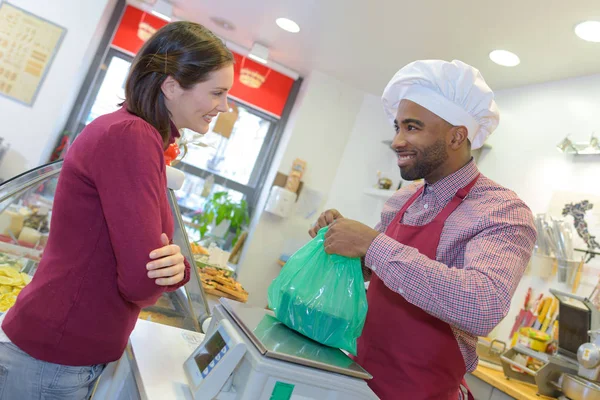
(108, 254)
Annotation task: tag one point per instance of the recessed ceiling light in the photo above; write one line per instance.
(288, 25)
(259, 53)
(589, 31)
(163, 9)
(223, 23)
(161, 15)
(504, 58)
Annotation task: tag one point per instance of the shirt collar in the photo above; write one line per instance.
(447, 187)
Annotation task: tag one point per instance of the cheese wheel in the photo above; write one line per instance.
(11, 222)
(29, 235)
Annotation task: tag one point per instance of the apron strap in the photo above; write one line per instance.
(464, 393)
(456, 200)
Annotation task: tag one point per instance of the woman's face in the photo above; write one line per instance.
(194, 108)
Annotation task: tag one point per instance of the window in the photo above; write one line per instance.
(112, 89)
(237, 164)
(235, 157)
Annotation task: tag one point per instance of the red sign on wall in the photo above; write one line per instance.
(254, 83)
(273, 91)
(135, 28)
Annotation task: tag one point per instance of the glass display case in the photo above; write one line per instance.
(25, 214)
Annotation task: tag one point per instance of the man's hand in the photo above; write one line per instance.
(325, 219)
(349, 238)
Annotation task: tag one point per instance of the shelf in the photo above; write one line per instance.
(581, 148)
(379, 193)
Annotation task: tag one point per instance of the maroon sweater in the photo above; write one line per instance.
(109, 211)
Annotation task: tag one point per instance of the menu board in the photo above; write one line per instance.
(27, 46)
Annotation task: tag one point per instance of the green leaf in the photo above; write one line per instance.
(203, 229)
(221, 213)
(220, 195)
(235, 216)
(220, 207)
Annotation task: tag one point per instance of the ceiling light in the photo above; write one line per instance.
(164, 10)
(589, 31)
(259, 53)
(161, 16)
(288, 25)
(258, 59)
(504, 58)
(223, 23)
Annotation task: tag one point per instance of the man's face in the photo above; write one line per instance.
(420, 141)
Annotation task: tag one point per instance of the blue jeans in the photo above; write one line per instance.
(25, 378)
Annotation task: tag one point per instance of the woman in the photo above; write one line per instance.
(110, 211)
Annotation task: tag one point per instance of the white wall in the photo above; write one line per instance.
(534, 120)
(524, 157)
(364, 155)
(33, 131)
(317, 132)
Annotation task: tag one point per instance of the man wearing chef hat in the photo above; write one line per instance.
(448, 254)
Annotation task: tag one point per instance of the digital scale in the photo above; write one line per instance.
(248, 354)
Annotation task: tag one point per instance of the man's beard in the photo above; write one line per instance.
(432, 157)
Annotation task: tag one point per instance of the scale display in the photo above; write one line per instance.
(211, 364)
(211, 353)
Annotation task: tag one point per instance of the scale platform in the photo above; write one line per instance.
(275, 340)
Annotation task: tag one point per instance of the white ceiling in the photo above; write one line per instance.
(365, 42)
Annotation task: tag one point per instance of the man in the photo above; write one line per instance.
(448, 254)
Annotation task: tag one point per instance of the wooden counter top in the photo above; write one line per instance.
(518, 390)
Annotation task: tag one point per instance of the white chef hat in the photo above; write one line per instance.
(454, 91)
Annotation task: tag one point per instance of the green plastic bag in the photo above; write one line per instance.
(321, 296)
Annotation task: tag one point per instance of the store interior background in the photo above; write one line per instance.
(346, 52)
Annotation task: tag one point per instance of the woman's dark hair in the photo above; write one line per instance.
(184, 50)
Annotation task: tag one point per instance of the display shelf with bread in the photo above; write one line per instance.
(25, 210)
(168, 310)
(219, 282)
(11, 283)
(25, 215)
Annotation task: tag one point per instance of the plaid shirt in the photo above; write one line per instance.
(484, 249)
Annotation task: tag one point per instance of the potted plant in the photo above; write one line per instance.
(221, 209)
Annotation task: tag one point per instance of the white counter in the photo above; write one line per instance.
(154, 361)
(159, 353)
(152, 369)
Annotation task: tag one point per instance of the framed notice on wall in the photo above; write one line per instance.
(28, 44)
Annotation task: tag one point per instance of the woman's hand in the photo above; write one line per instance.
(168, 266)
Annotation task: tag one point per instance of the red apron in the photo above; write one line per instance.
(410, 353)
